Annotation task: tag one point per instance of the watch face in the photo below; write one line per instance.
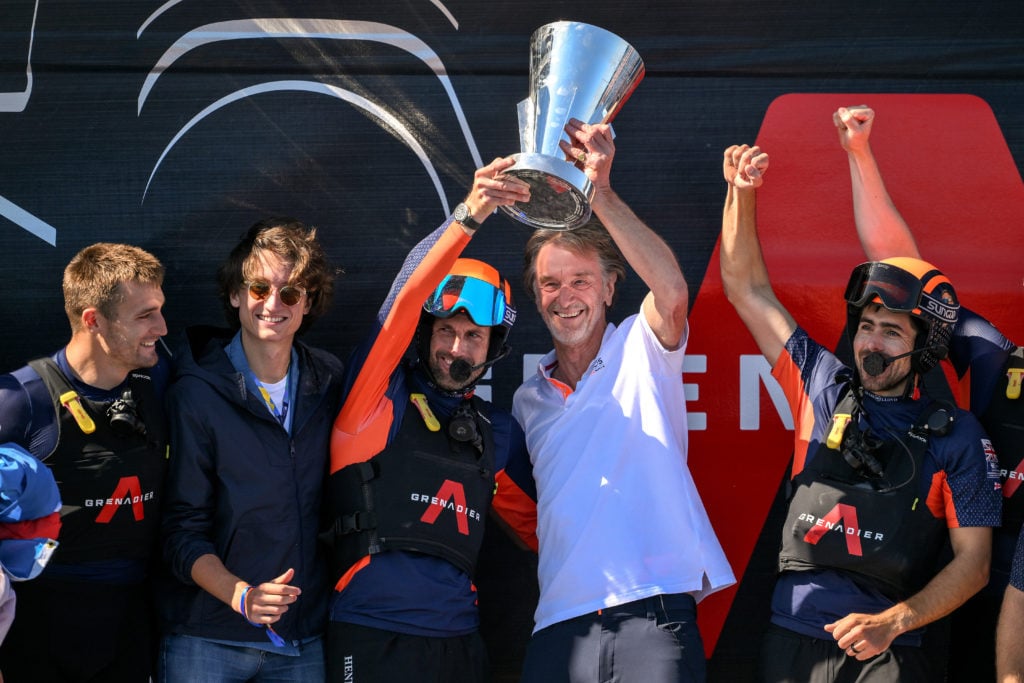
(463, 216)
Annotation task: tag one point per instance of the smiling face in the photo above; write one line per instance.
(129, 337)
(270, 320)
(457, 337)
(572, 294)
(890, 334)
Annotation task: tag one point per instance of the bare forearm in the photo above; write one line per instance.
(1009, 653)
(882, 231)
(740, 258)
(666, 306)
(211, 575)
(647, 253)
(964, 576)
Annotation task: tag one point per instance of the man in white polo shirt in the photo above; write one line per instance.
(626, 547)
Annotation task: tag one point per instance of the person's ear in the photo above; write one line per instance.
(90, 319)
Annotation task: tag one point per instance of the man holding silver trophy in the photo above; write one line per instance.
(626, 548)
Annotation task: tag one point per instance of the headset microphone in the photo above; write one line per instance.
(875, 363)
(460, 370)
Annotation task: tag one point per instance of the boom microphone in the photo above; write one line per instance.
(461, 370)
(875, 363)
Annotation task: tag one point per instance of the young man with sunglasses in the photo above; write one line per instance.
(93, 413)
(250, 415)
(883, 475)
(416, 459)
(990, 367)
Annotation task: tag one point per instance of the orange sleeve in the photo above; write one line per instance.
(361, 428)
(516, 509)
(790, 378)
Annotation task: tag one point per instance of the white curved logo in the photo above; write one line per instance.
(16, 101)
(326, 29)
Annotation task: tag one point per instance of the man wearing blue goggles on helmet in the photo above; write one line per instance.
(475, 290)
(417, 459)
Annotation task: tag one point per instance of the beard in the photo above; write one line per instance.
(888, 382)
(569, 336)
(443, 378)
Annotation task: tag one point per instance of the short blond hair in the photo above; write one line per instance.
(94, 277)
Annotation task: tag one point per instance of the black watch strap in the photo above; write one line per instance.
(462, 215)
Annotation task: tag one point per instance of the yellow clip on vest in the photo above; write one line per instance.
(835, 437)
(1013, 376)
(71, 401)
(420, 401)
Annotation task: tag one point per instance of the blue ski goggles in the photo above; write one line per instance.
(485, 303)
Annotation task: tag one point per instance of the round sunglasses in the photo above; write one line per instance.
(289, 294)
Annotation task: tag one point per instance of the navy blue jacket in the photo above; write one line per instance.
(240, 487)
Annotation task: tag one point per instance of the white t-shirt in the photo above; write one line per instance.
(619, 517)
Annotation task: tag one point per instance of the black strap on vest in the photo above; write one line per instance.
(867, 519)
(110, 478)
(380, 504)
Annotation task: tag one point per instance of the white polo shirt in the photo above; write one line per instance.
(619, 517)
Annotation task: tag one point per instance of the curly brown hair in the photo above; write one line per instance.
(294, 243)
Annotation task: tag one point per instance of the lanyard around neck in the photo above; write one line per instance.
(282, 413)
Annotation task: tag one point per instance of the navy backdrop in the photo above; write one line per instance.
(176, 125)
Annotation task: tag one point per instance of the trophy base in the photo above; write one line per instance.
(560, 193)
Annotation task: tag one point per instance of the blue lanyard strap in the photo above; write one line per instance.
(281, 414)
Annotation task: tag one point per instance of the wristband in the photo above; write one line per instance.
(271, 633)
(241, 606)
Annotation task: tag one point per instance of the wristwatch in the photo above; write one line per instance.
(462, 215)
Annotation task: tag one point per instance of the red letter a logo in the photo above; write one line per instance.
(845, 516)
(449, 489)
(127, 488)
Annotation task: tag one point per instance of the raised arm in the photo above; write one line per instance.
(882, 231)
(667, 302)
(744, 273)
(424, 267)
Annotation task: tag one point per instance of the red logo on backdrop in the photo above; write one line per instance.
(128, 490)
(451, 496)
(840, 518)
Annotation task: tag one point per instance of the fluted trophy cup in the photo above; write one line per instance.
(576, 71)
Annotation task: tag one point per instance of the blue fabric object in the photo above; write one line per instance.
(27, 492)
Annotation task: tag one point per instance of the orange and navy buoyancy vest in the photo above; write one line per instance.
(110, 473)
(427, 491)
(857, 506)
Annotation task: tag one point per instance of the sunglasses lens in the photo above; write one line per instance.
(259, 290)
(290, 295)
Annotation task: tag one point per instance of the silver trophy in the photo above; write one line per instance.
(576, 71)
